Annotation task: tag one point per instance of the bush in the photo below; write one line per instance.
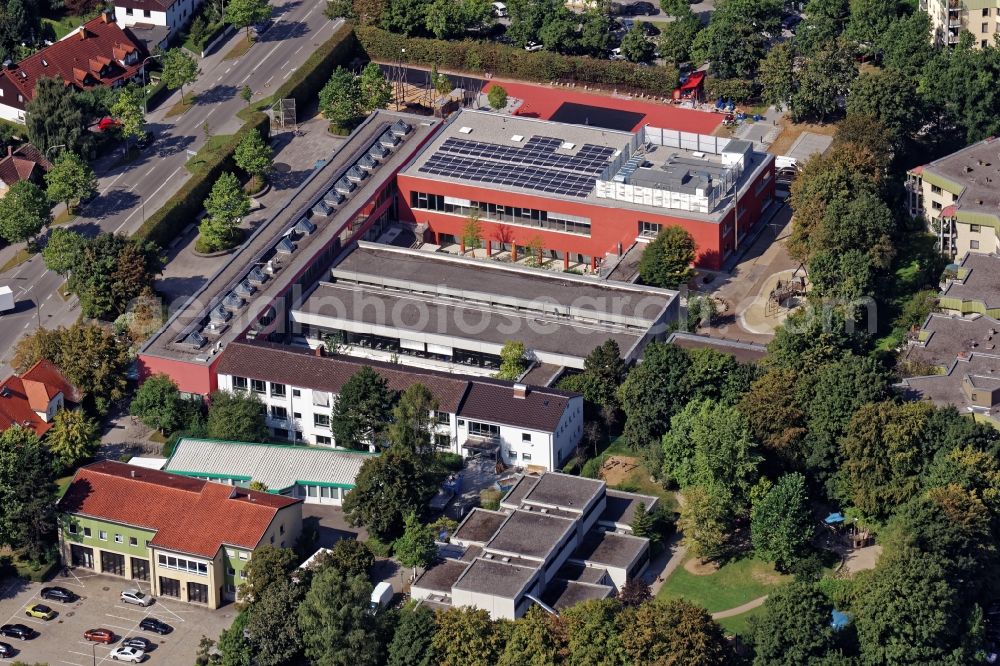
(305, 82)
(452, 462)
(592, 468)
(490, 499)
(184, 207)
(378, 547)
(504, 60)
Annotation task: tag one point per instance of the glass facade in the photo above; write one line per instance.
(529, 217)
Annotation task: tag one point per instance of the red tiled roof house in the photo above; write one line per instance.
(98, 53)
(32, 400)
(189, 539)
(25, 163)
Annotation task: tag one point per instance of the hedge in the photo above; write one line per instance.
(185, 205)
(305, 83)
(509, 61)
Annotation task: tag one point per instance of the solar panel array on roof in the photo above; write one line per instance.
(534, 166)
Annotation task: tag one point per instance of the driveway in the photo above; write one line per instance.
(60, 640)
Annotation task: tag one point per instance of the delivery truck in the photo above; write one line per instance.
(6, 299)
(381, 596)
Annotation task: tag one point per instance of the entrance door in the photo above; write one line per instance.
(82, 556)
(198, 593)
(112, 563)
(170, 587)
(140, 569)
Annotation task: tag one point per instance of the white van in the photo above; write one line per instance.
(499, 10)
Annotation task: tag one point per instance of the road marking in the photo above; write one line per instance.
(246, 77)
(26, 325)
(149, 172)
(152, 194)
(266, 83)
(297, 50)
(73, 663)
(230, 69)
(271, 52)
(286, 63)
(219, 79)
(112, 183)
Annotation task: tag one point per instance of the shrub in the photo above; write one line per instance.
(452, 462)
(592, 468)
(504, 60)
(378, 547)
(489, 498)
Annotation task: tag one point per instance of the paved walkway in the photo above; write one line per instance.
(739, 610)
(665, 563)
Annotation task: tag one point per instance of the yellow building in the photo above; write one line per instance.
(189, 539)
(950, 17)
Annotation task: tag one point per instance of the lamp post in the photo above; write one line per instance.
(145, 94)
(51, 148)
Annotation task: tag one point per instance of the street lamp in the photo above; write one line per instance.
(51, 148)
(145, 94)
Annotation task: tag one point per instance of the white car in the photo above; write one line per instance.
(499, 10)
(130, 654)
(534, 46)
(137, 597)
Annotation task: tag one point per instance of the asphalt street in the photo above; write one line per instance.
(129, 192)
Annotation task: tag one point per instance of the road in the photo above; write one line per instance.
(128, 193)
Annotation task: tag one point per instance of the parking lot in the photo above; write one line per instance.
(60, 640)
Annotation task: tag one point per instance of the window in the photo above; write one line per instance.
(649, 229)
(102, 535)
(311, 491)
(296, 393)
(272, 538)
(239, 383)
(72, 528)
(529, 217)
(985, 27)
(86, 532)
(442, 418)
(281, 432)
(281, 529)
(132, 541)
(147, 543)
(935, 205)
(525, 456)
(442, 441)
(525, 436)
(258, 386)
(974, 228)
(279, 413)
(181, 564)
(145, 13)
(243, 575)
(324, 440)
(986, 11)
(483, 429)
(935, 189)
(230, 552)
(243, 556)
(278, 390)
(128, 11)
(321, 420)
(230, 571)
(973, 245)
(297, 415)
(119, 539)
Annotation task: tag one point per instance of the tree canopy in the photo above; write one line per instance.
(666, 260)
(363, 411)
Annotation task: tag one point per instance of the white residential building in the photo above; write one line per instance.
(172, 14)
(525, 426)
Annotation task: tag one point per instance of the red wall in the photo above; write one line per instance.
(189, 376)
(610, 225)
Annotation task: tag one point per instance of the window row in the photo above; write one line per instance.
(530, 217)
(74, 529)
(171, 562)
(259, 386)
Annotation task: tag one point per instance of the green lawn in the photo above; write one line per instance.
(732, 585)
(62, 484)
(738, 623)
(65, 25)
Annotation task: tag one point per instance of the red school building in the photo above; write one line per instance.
(583, 193)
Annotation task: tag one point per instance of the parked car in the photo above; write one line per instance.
(616, 54)
(105, 636)
(639, 9)
(499, 10)
(57, 594)
(130, 654)
(19, 631)
(139, 643)
(146, 140)
(154, 625)
(41, 611)
(533, 46)
(137, 597)
(7, 650)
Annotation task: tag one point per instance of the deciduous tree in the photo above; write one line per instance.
(672, 632)
(794, 627)
(236, 416)
(376, 91)
(63, 250)
(654, 390)
(27, 493)
(96, 361)
(387, 489)
(592, 634)
(411, 642)
(180, 68)
(272, 627)
(635, 47)
(532, 641)
(245, 13)
(70, 179)
(666, 261)
(412, 420)
(268, 566)
(466, 637)
(24, 210)
(363, 411)
(334, 623)
(781, 526)
(226, 205)
(72, 438)
(415, 548)
(129, 110)
(497, 97)
(254, 156)
(158, 404)
(54, 116)
(340, 99)
(513, 360)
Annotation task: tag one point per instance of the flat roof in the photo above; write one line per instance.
(621, 506)
(581, 573)
(560, 594)
(609, 549)
(277, 466)
(808, 144)
(441, 576)
(564, 491)
(479, 525)
(742, 351)
(495, 578)
(946, 389)
(515, 495)
(943, 337)
(975, 170)
(981, 282)
(260, 246)
(530, 534)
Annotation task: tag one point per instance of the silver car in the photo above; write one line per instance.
(137, 597)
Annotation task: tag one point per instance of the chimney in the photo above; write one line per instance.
(520, 391)
(83, 34)
(10, 151)
(107, 16)
(133, 473)
(318, 351)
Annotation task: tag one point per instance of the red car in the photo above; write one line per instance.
(105, 636)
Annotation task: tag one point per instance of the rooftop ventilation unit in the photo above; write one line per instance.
(401, 128)
(321, 209)
(285, 246)
(367, 163)
(465, 130)
(568, 145)
(256, 276)
(344, 186)
(304, 226)
(220, 315)
(233, 301)
(389, 140)
(356, 175)
(517, 138)
(332, 198)
(195, 339)
(378, 151)
(245, 289)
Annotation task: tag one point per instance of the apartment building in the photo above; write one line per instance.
(557, 540)
(950, 17)
(525, 426)
(188, 538)
(959, 196)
